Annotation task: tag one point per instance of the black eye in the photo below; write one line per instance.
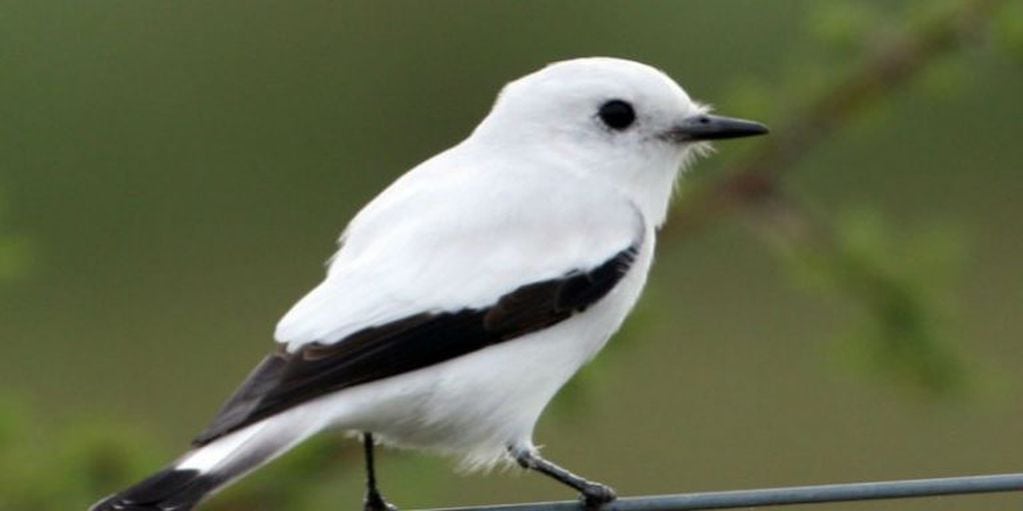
(617, 114)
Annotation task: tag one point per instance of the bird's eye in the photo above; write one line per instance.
(617, 114)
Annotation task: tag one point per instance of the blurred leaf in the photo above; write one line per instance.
(1008, 30)
(82, 458)
(945, 78)
(15, 257)
(843, 25)
(902, 282)
(87, 458)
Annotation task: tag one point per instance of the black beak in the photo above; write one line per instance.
(714, 127)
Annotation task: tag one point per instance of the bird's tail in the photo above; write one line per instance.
(208, 468)
(167, 489)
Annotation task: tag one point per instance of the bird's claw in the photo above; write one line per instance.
(384, 506)
(595, 495)
(375, 502)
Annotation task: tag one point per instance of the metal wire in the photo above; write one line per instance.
(789, 495)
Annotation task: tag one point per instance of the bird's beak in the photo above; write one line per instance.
(714, 127)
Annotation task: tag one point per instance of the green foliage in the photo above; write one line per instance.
(845, 26)
(902, 283)
(80, 457)
(55, 467)
(1009, 29)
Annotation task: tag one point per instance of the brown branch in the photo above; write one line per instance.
(754, 181)
(903, 341)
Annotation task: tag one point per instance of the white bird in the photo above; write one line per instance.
(469, 291)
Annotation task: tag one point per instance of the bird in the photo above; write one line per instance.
(471, 289)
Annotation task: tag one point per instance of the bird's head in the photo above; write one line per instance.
(615, 119)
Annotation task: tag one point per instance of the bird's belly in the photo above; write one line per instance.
(479, 403)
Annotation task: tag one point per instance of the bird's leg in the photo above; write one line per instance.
(373, 501)
(593, 494)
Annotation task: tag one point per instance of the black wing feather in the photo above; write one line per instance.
(283, 380)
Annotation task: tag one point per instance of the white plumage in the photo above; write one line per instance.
(545, 188)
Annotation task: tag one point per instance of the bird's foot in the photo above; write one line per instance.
(375, 502)
(595, 495)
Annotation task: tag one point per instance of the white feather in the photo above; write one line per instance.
(538, 190)
(448, 237)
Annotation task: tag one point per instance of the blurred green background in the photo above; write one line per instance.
(173, 175)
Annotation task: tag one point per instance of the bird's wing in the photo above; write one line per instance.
(433, 270)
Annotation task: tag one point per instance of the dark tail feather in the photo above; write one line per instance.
(167, 490)
(207, 468)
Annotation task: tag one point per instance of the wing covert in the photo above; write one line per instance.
(285, 379)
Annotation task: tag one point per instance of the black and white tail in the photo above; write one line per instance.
(208, 468)
(166, 490)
